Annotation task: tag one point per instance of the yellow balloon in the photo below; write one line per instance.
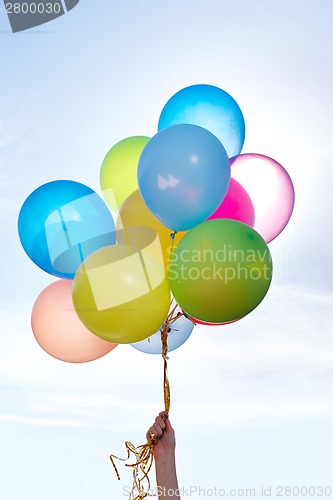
(120, 292)
(134, 212)
(118, 176)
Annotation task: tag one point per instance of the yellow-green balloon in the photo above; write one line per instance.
(121, 292)
(220, 271)
(118, 176)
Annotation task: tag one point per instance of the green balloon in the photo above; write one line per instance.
(220, 271)
(118, 176)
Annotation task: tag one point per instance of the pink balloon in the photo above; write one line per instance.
(270, 189)
(59, 331)
(236, 205)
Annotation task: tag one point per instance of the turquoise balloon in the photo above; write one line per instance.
(183, 175)
(61, 223)
(211, 108)
(179, 332)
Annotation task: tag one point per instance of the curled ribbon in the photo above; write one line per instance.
(144, 461)
(143, 454)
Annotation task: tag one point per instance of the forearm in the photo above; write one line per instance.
(166, 477)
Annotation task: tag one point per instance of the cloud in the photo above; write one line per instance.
(10, 134)
(274, 365)
(10, 180)
(16, 419)
(7, 206)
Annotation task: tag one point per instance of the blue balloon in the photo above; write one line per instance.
(178, 333)
(211, 108)
(61, 223)
(183, 175)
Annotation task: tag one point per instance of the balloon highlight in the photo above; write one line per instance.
(61, 223)
(271, 190)
(183, 175)
(211, 108)
(120, 292)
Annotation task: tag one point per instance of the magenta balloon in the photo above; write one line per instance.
(236, 205)
(270, 188)
(58, 329)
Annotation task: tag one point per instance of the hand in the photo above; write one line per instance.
(165, 436)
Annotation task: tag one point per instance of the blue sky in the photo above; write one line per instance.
(251, 402)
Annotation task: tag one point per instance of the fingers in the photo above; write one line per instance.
(160, 422)
(159, 426)
(166, 420)
(164, 415)
(155, 431)
(151, 434)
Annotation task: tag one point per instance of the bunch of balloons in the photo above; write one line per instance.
(193, 218)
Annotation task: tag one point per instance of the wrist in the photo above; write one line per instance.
(165, 456)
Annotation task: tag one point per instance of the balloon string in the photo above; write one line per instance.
(143, 454)
(171, 248)
(164, 338)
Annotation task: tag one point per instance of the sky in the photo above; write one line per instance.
(252, 402)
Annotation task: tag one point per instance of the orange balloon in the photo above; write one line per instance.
(134, 212)
(58, 329)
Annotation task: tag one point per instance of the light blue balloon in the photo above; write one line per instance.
(179, 332)
(183, 175)
(61, 223)
(211, 108)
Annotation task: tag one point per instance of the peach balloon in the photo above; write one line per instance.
(58, 329)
